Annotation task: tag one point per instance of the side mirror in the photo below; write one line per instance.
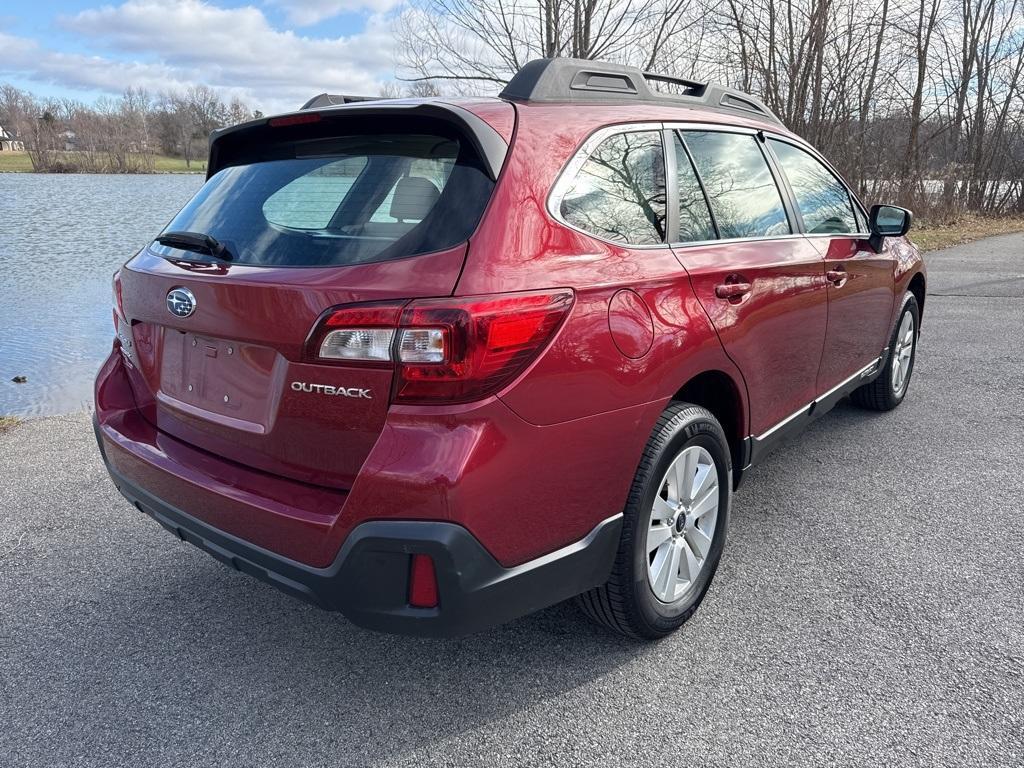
(887, 221)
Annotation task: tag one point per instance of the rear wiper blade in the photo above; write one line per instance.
(197, 242)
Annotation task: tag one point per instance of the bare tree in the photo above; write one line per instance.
(120, 135)
(917, 101)
(472, 42)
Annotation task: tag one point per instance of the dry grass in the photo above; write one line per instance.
(932, 236)
(7, 423)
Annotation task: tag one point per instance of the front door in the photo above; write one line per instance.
(860, 299)
(860, 281)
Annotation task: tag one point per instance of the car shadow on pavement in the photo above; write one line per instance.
(202, 651)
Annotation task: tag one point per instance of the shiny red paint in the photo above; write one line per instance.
(248, 340)
(775, 332)
(861, 303)
(530, 469)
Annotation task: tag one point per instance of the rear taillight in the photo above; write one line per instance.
(457, 350)
(361, 333)
(444, 350)
(118, 301)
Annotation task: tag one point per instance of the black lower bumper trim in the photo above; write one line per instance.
(368, 581)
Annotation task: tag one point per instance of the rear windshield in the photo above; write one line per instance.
(341, 200)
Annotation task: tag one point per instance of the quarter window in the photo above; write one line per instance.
(619, 192)
(739, 184)
(694, 217)
(823, 200)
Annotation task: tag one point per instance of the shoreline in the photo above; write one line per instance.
(27, 172)
(69, 163)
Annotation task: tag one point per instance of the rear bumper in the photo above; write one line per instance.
(368, 580)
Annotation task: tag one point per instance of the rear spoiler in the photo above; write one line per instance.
(486, 141)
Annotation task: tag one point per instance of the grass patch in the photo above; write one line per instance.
(19, 162)
(165, 164)
(7, 423)
(931, 236)
(15, 162)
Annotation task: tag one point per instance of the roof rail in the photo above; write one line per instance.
(583, 80)
(334, 100)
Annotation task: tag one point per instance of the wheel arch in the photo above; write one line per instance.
(917, 287)
(717, 391)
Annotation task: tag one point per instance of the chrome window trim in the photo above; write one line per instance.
(728, 240)
(568, 175)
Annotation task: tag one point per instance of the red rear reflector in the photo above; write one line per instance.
(422, 582)
(278, 122)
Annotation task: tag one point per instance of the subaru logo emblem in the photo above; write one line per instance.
(181, 302)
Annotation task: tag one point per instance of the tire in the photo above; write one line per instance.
(627, 602)
(888, 389)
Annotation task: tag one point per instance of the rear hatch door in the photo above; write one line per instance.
(362, 210)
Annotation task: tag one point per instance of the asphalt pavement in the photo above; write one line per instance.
(869, 610)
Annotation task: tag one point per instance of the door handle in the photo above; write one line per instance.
(732, 290)
(836, 276)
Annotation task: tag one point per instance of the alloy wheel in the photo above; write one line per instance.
(903, 354)
(682, 525)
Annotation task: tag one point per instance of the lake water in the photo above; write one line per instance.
(61, 238)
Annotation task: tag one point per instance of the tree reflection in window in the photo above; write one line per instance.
(619, 193)
(739, 184)
(694, 217)
(823, 200)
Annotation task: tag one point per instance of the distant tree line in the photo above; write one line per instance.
(122, 135)
(916, 101)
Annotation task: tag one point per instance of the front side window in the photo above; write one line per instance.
(822, 199)
(739, 184)
(619, 192)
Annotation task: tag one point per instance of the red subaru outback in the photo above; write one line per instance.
(437, 364)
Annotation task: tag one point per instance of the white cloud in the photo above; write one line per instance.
(306, 12)
(175, 43)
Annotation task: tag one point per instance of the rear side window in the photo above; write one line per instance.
(694, 217)
(619, 192)
(739, 184)
(823, 200)
(342, 200)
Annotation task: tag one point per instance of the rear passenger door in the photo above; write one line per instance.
(860, 282)
(758, 279)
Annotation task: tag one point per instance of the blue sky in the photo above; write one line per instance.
(273, 54)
